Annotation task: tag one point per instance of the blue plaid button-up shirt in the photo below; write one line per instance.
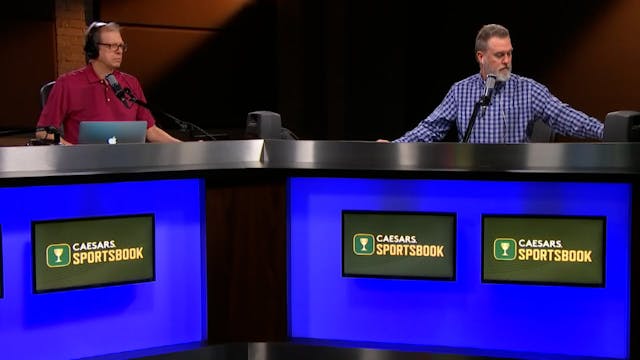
(515, 105)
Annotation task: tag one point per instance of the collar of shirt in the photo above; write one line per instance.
(92, 77)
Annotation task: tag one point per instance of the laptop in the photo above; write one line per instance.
(112, 132)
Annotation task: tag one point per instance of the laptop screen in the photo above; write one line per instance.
(112, 132)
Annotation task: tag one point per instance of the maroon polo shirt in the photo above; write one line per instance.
(81, 96)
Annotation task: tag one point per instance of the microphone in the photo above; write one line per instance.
(489, 84)
(117, 89)
(480, 106)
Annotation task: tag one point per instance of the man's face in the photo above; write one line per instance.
(496, 59)
(110, 54)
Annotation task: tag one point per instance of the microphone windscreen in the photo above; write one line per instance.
(113, 83)
(490, 83)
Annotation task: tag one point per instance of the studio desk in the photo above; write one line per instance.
(270, 212)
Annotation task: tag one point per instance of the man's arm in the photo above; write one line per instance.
(564, 119)
(143, 113)
(155, 134)
(436, 125)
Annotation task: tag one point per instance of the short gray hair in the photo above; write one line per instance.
(92, 37)
(487, 32)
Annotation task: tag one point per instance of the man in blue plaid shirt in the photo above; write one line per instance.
(517, 102)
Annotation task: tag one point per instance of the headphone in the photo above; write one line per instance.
(91, 50)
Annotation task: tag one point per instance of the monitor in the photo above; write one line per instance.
(396, 244)
(547, 250)
(267, 125)
(622, 126)
(91, 252)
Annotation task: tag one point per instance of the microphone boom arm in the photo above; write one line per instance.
(184, 125)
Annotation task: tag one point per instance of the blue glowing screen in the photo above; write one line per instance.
(465, 313)
(98, 321)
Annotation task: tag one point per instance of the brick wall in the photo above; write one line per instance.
(70, 27)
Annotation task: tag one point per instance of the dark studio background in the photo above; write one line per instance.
(334, 69)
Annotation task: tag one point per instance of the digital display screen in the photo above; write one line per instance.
(91, 252)
(567, 250)
(398, 244)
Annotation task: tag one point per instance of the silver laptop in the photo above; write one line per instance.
(112, 132)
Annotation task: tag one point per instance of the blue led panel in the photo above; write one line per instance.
(97, 321)
(467, 313)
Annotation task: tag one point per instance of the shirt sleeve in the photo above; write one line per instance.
(562, 118)
(437, 124)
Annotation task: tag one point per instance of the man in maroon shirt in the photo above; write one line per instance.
(84, 95)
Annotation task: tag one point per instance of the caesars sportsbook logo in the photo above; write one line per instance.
(394, 245)
(93, 252)
(58, 255)
(538, 250)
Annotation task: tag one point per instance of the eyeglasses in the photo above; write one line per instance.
(114, 47)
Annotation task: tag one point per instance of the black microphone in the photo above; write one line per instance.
(489, 84)
(117, 89)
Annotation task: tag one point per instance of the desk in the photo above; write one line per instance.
(245, 200)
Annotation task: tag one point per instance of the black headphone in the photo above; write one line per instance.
(91, 50)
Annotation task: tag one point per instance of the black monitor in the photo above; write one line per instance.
(622, 126)
(93, 251)
(267, 125)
